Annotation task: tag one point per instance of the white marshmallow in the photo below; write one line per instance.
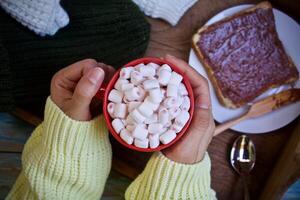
(182, 118)
(154, 140)
(147, 71)
(164, 130)
(141, 143)
(152, 119)
(126, 136)
(138, 66)
(115, 96)
(136, 78)
(163, 116)
(164, 77)
(151, 78)
(125, 100)
(126, 86)
(120, 110)
(153, 65)
(161, 108)
(186, 103)
(119, 83)
(177, 128)
(133, 105)
(168, 124)
(167, 136)
(170, 102)
(155, 128)
(124, 122)
(130, 127)
(175, 79)
(182, 90)
(164, 67)
(125, 72)
(129, 120)
(150, 84)
(179, 101)
(172, 90)
(110, 109)
(145, 109)
(140, 132)
(155, 95)
(142, 93)
(174, 112)
(137, 116)
(117, 124)
(132, 94)
(145, 126)
(150, 103)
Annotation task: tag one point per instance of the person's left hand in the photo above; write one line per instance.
(73, 88)
(192, 146)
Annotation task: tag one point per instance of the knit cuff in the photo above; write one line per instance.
(71, 137)
(41, 16)
(166, 179)
(169, 10)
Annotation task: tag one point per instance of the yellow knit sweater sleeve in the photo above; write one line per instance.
(64, 159)
(165, 179)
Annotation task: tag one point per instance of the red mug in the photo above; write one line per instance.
(103, 93)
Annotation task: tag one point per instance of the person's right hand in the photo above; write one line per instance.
(192, 146)
(73, 87)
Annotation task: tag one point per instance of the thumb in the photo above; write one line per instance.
(199, 134)
(84, 92)
(202, 114)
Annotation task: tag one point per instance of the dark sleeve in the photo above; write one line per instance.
(6, 97)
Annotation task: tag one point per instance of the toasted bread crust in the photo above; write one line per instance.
(196, 37)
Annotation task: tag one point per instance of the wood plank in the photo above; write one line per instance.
(27, 116)
(10, 166)
(287, 169)
(125, 169)
(116, 186)
(14, 132)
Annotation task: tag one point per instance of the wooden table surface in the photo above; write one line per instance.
(176, 40)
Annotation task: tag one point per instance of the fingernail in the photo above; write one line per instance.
(201, 104)
(171, 56)
(100, 64)
(95, 75)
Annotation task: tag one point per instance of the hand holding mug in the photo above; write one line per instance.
(193, 144)
(73, 87)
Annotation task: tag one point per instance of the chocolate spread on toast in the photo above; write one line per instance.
(246, 55)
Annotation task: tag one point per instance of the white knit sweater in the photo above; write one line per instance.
(46, 17)
(169, 10)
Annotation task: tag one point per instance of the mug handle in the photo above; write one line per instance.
(101, 92)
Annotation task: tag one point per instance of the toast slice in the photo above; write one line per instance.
(243, 56)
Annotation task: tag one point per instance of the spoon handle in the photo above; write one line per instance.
(246, 190)
(222, 127)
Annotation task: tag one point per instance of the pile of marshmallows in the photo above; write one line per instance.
(149, 105)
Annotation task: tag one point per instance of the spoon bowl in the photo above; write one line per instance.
(242, 159)
(243, 156)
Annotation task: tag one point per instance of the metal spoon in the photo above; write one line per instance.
(242, 159)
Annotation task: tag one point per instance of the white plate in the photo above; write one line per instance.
(289, 33)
